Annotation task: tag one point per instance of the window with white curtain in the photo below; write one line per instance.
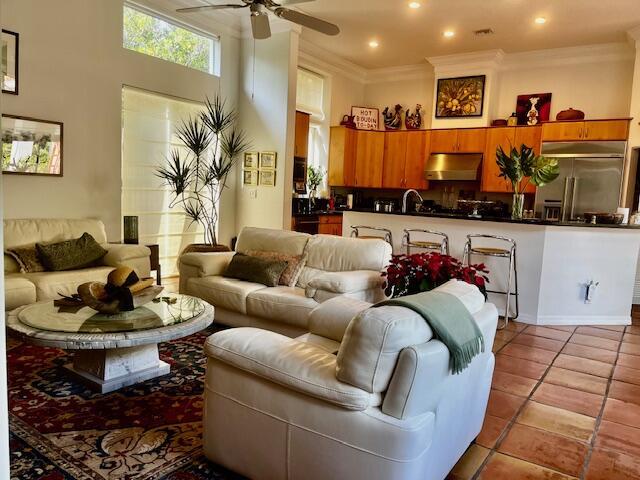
(149, 121)
(311, 95)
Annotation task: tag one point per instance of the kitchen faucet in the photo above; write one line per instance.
(406, 196)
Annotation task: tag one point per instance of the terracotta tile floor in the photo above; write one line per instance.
(564, 404)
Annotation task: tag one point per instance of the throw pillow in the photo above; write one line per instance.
(27, 258)
(71, 254)
(256, 270)
(295, 264)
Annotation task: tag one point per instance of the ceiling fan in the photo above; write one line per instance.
(260, 18)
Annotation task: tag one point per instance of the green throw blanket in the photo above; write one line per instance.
(450, 321)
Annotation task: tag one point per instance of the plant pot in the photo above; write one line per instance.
(204, 248)
(517, 207)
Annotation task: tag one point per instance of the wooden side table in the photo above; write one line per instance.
(155, 261)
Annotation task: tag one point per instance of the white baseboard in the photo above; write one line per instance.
(583, 320)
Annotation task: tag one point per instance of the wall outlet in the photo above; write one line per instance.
(253, 193)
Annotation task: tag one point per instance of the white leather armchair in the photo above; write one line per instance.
(364, 398)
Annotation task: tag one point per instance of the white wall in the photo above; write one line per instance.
(72, 69)
(267, 112)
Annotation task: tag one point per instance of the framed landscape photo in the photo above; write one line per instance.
(250, 178)
(10, 43)
(365, 118)
(460, 97)
(250, 160)
(268, 160)
(31, 146)
(267, 178)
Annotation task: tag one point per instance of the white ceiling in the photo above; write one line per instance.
(407, 36)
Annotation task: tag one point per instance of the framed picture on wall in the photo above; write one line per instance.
(31, 146)
(533, 108)
(250, 178)
(250, 160)
(267, 178)
(268, 160)
(10, 43)
(460, 97)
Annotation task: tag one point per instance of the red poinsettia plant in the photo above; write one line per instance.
(420, 272)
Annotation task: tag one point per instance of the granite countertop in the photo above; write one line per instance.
(319, 212)
(526, 221)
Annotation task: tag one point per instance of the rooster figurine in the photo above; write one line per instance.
(413, 121)
(392, 120)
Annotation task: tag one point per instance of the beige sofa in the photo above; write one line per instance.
(24, 288)
(366, 395)
(335, 266)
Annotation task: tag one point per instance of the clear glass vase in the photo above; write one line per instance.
(517, 208)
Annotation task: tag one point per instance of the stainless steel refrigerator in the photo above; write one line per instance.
(590, 179)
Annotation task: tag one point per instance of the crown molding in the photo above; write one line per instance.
(468, 61)
(312, 55)
(600, 53)
(420, 71)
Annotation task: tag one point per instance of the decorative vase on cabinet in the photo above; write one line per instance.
(517, 208)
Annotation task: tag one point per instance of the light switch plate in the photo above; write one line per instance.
(253, 193)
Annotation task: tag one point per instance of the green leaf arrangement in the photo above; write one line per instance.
(315, 177)
(524, 167)
(197, 174)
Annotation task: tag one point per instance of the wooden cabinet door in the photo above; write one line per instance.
(369, 158)
(418, 144)
(531, 137)
(444, 141)
(471, 140)
(395, 152)
(495, 137)
(562, 131)
(342, 157)
(606, 130)
(301, 145)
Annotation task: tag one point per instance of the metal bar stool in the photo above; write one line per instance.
(508, 252)
(442, 246)
(375, 232)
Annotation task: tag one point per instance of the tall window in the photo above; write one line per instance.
(148, 135)
(149, 34)
(311, 95)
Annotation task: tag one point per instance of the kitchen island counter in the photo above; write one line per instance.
(555, 262)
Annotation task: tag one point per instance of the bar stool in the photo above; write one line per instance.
(509, 251)
(374, 232)
(442, 246)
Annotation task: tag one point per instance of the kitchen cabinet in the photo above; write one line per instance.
(301, 144)
(330, 224)
(462, 140)
(586, 130)
(356, 158)
(404, 157)
(506, 137)
(342, 157)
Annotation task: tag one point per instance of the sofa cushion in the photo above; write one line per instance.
(330, 319)
(284, 304)
(256, 270)
(372, 343)
(18, 291)
(33, 230)
(228, 293)
(295, 264)
(27, 258)
(341, 254)
(71, 254)
(266, 239)
(50, 285)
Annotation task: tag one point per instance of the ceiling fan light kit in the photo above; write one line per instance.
(260, 18)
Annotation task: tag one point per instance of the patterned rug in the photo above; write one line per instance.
(153, 430)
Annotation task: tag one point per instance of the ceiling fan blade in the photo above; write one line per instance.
(284, 3)
(260, 25)
(307, 21)
(207, 7)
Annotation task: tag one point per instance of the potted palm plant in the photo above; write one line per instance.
(198, 176)
(522, 168)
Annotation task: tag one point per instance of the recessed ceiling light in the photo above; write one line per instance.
(540, 20)
(374, 44)
(414, 5)
(448, 33)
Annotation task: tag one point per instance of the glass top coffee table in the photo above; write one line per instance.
(112, 351)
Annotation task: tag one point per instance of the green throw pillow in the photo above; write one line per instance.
(256, 270)
(71, 254)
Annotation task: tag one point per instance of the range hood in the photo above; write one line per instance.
(453, 166)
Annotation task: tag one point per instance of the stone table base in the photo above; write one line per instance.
(114, 368)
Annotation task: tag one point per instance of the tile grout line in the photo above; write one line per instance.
(587, 458)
